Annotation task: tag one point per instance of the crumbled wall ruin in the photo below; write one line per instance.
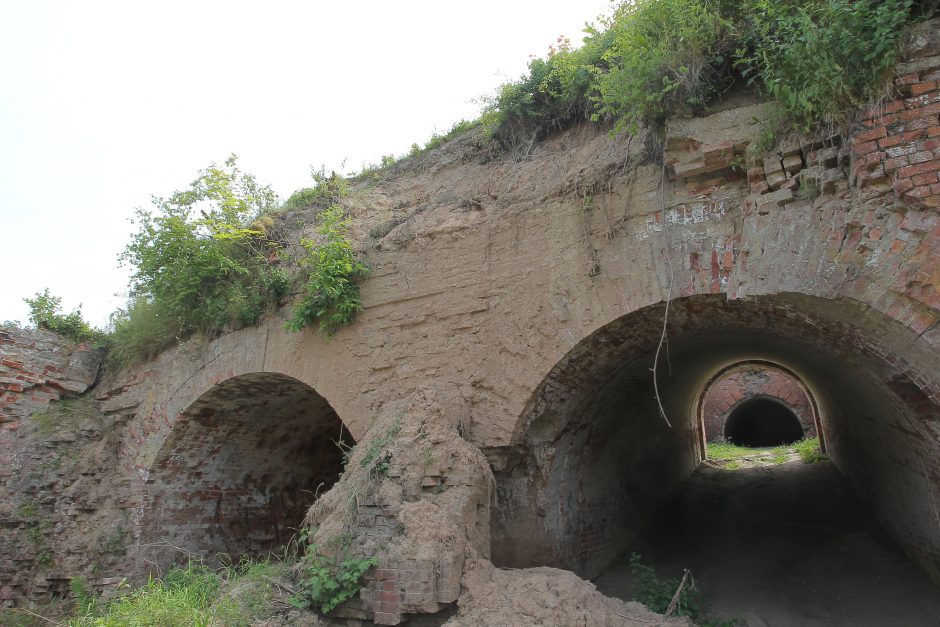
(529, 297)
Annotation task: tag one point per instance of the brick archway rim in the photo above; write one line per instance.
(699, 409)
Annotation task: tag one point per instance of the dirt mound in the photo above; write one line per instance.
(544, 596)
(416, 496)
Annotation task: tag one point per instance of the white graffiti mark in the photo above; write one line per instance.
(683, 215)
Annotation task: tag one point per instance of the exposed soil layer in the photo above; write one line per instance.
(782, 545)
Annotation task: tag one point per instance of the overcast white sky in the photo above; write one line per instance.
(103, 104)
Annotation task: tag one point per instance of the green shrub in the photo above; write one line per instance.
(656, 594)
(726, 450)
(203, 262)
(86, 603)
(140, 332)
(820, 59)
(331, 296)
(650, 59)
(45, 313)
(327, 582)
(459, 128)
(665, 57)
(810, 451)
(327, 189)
(249, 591)
(553, 94)
(184, 597)
(233, 595)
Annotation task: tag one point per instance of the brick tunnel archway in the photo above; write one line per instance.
(592, 459)
(739, 383)
(240, 469)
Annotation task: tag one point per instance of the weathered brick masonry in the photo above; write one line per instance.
(535, 291)
(747, 382)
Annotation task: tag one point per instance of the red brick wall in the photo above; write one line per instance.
(898, 144)
(750, 381)
(38, 367)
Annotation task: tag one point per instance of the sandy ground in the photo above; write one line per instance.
(783, 545)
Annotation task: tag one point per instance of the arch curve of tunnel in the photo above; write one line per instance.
(734, 391)
(239, 470)
(592, 459)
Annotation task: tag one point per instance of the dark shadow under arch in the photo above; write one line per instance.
(591, 458)
(241, 467)
(760, 422)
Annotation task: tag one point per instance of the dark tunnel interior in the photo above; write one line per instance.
(760, 422)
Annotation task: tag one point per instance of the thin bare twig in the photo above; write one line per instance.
(662, 337)
(39, 616)
(638, 620)
(675, 597)
(279, 584)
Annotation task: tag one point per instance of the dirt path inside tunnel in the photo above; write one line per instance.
(782, 545)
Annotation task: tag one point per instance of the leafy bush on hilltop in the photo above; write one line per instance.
(45, 312)
(651, 59)
(203, 261)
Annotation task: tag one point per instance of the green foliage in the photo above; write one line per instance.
(185, 596)
(45, 313)
(327, 190)
(665, 57)
(727, 450)
(820, 59)
(140, 331)
(327, 582)
(809, 451)
(552, 95)
(459, 128)
(37, 530)
(654, 58)
(376, 458)
(203, 262)
(727, 454)
(656, 594)
(249, 591)
(86, 603)
(331, 296)
(67, 412)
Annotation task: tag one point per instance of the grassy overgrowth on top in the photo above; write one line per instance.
(45, 312)
(203, 260)
(208, 259)
(817, 59)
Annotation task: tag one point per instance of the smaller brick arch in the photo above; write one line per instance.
(239, 470)
(742, 383)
